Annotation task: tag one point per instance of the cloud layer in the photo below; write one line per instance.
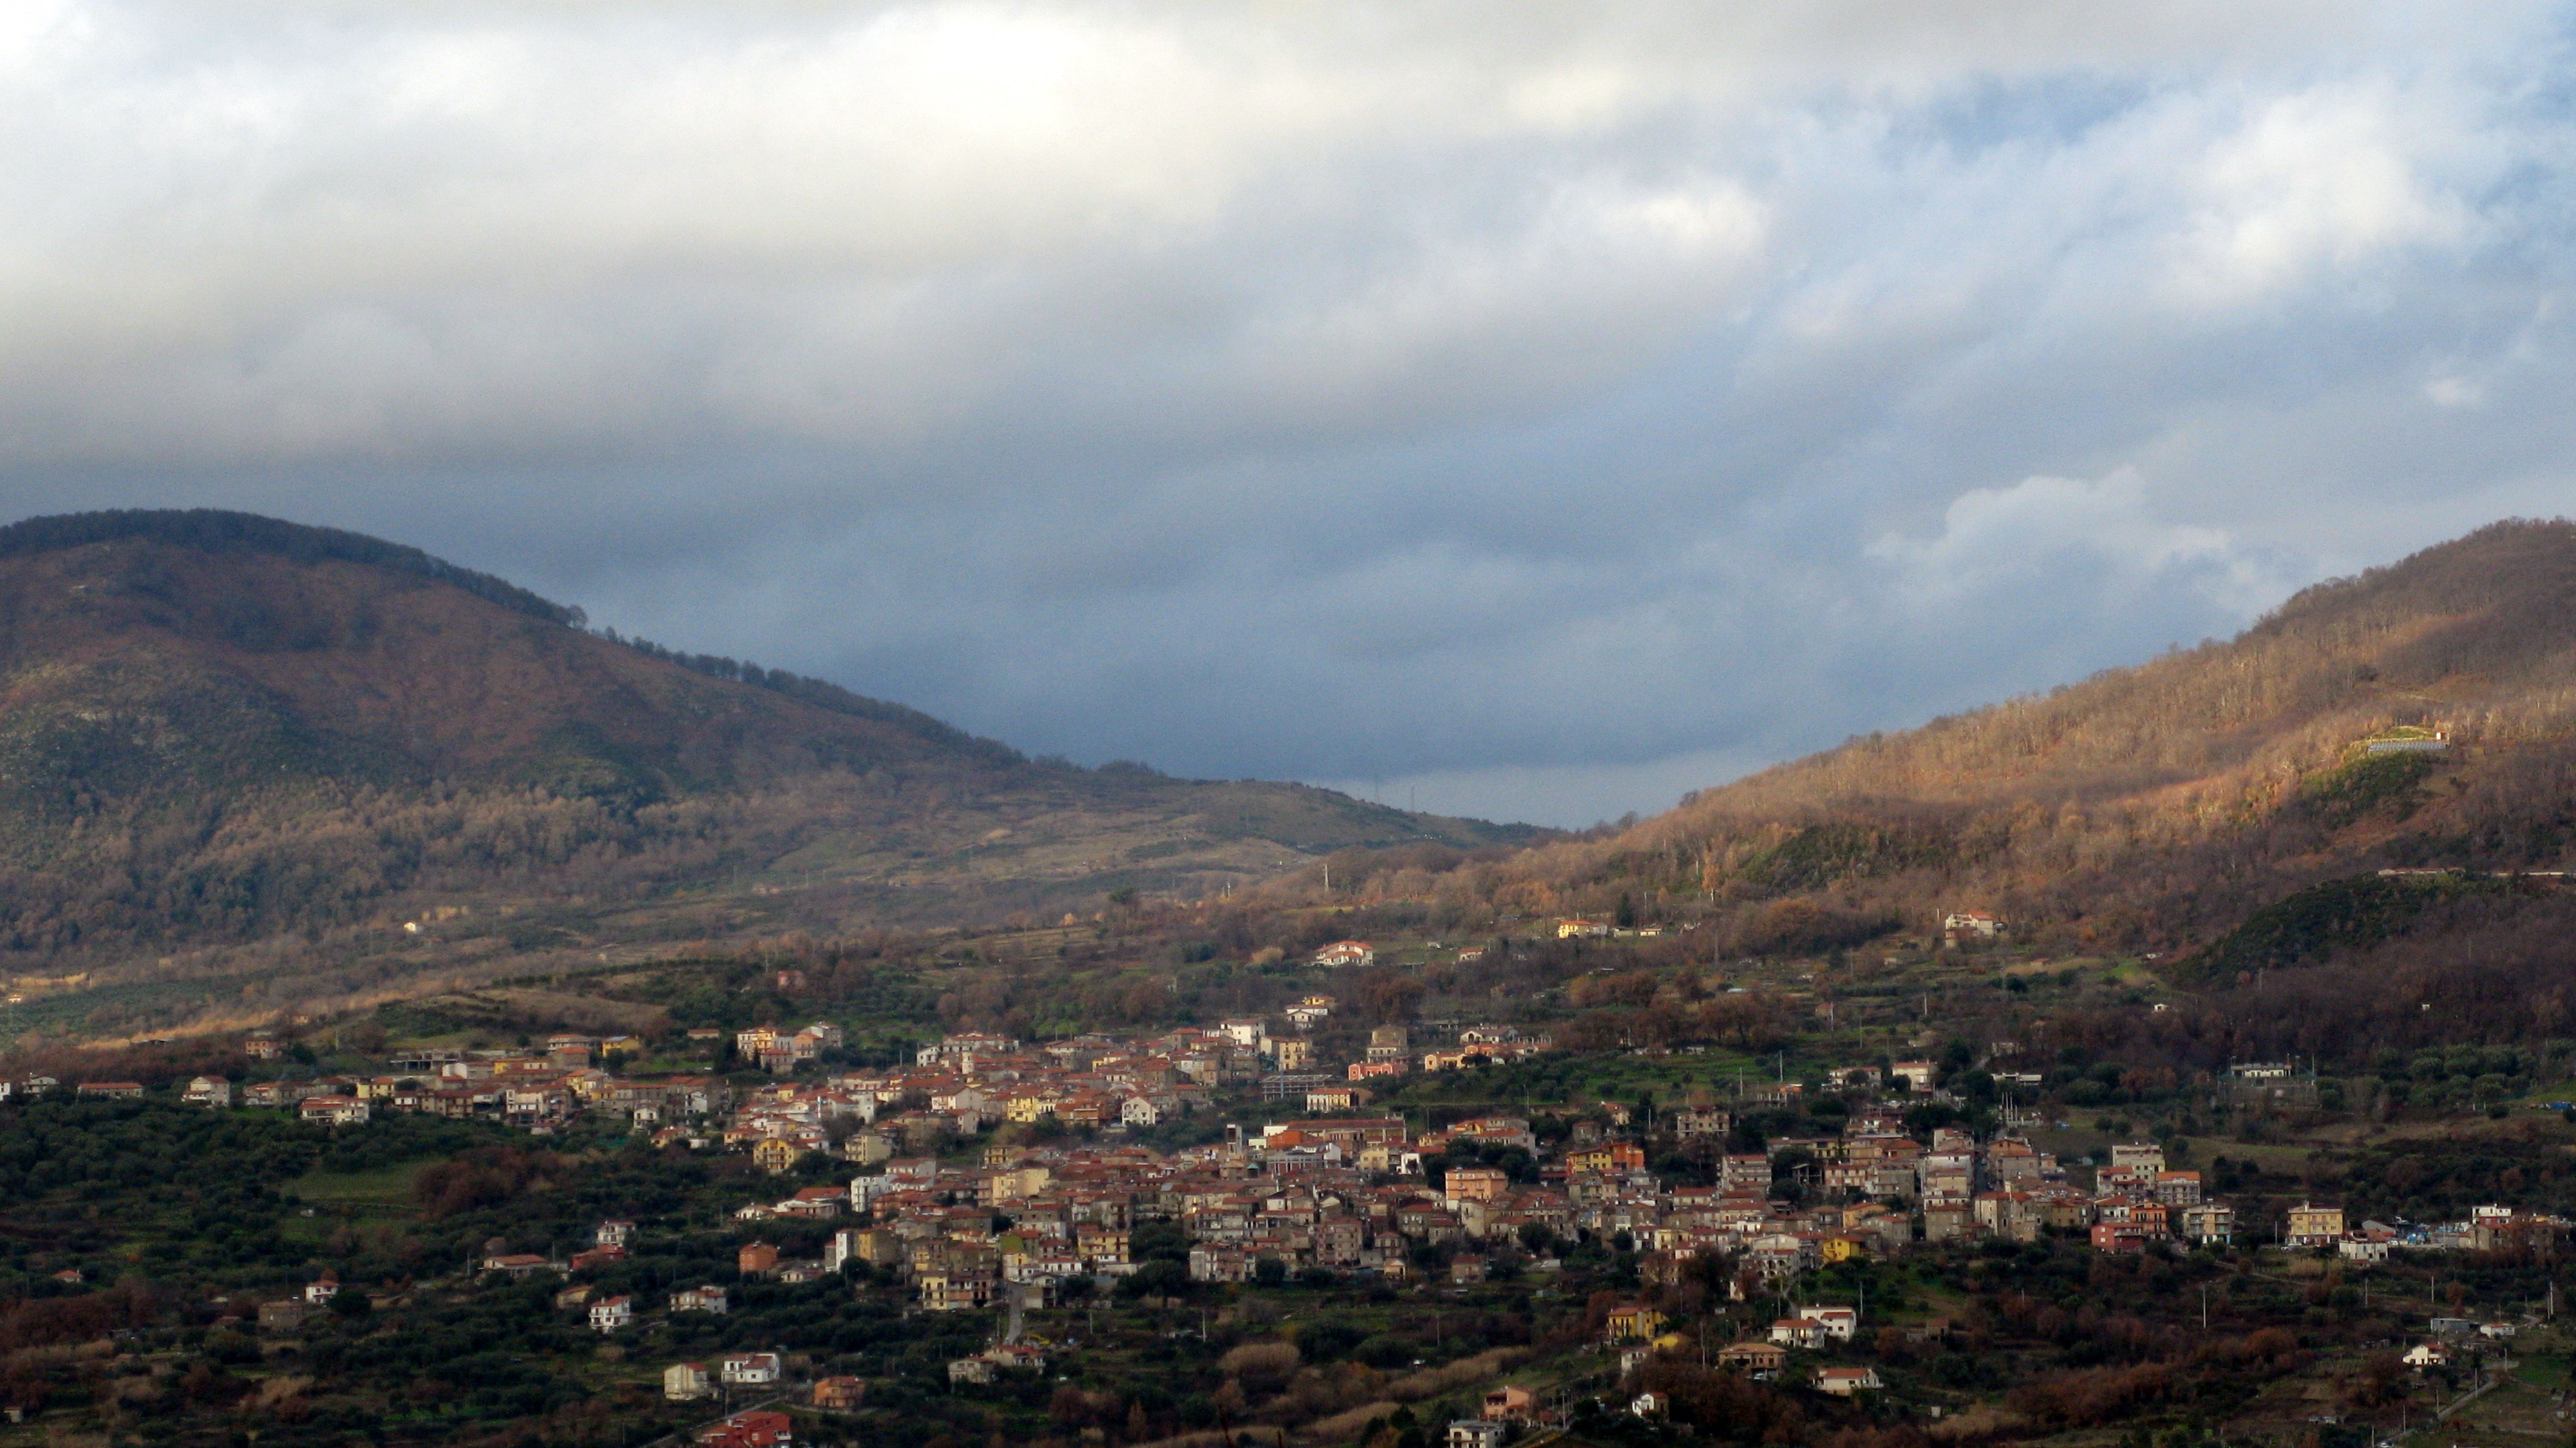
(1534, 412)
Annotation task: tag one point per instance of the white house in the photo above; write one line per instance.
(208, 1091)
(322, 1289)
(611, 1313)
(701, 1299)
(1798, 1332)
(751, 1369)
(335, 1110)
(1843, 1382)
(1475, 1433)
(1839, 1323)
(687, 1382)
(1961, 925)
(843, 1247)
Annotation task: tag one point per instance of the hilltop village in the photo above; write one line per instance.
(1028, 1180)
(1574, 1180)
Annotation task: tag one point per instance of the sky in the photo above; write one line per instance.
(1530, 411)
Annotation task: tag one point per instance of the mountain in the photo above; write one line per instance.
(2228, 807)
(244, 761)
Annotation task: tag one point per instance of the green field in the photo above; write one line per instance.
(380, 1194)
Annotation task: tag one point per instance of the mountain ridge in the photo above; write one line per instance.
(238, 750)
(2154, 807)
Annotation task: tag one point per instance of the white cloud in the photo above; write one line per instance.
(1542, 403)
(2455, 392)
(2071, 533)
(2321, 178)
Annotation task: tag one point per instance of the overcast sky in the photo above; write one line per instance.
(1523, 410)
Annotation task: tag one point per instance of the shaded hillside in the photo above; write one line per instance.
(239, 755)
(2157, 807)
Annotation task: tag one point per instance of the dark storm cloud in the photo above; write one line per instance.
(1535, 416)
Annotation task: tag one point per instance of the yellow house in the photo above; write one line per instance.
(1028, 1109)
(774, 1154)
(1842, 1249)
(2314, 1226)
(1617, 1156)
(1634, 1321)
(1014, 1184)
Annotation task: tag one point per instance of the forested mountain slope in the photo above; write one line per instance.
(244, 761)
(2160, 807)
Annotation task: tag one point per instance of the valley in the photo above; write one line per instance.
(2180, 1058)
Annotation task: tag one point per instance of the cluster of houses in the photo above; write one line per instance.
(779, 1051)
(1347, 1193)
(2491, 1228)
(1577, 928)
(538, 1090)
(1636, 1332)
(36, 1088)
(1338, 1191)
(2454, 1338)
(959, 1086)
(755, 1374)
(1347, 1196)
(965, 1083)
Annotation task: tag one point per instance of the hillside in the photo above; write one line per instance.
(2159, 808)
(244, 762)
